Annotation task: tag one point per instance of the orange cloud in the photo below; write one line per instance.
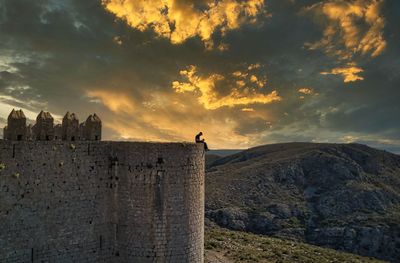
(351, 27)
(219, 133)
(179, 20)
(349, 73)
(191, 105)
(208, 96)
(116, 102)
(305, 91)
(167, 117)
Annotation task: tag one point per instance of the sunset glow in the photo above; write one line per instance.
(244, 72)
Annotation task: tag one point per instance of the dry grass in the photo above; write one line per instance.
(225, 246)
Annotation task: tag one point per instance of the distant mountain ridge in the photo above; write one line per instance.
(225, 152)
(344, 196)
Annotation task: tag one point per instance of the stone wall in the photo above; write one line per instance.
(101, 202)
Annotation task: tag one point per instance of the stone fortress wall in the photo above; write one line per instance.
(93, 201)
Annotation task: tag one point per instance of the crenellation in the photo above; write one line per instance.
(16, 128)
(45, 130)
(91, 128)
(70, 127)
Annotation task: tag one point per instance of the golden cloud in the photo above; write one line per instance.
(205, 87)
(116, 102)
(190, 106)
(219, 133)
(180, 20)
(247, 110)
(352, 27)
(349, 73)
(305, 91)
(249, 76)
(164, 116)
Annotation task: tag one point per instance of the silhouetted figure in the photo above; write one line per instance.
(199, 140)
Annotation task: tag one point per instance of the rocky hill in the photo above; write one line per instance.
(211, 158)
(346, 197)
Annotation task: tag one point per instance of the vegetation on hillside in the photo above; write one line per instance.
(342, 196)
(225, 246)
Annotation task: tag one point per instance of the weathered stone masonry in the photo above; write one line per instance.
(95, 201)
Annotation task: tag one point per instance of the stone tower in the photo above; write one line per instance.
(16, 129)
(92, 128)
(43, 130)
(101, 202)
(70, 127)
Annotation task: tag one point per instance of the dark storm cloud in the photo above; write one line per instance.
(73, 55)
(365, 108)
(371, 106)
(71, 49)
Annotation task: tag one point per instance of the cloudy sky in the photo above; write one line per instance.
(243, 72)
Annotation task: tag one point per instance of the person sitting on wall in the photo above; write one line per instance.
(199, 140)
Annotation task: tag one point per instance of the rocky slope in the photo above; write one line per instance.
(346, 197)
(211, 158)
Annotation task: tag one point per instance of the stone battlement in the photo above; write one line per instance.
(45, 130)
(93, 201)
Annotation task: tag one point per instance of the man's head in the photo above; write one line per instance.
(201, 133)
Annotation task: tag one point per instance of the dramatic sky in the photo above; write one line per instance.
(243, 72)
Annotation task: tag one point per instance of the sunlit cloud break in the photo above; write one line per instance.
(352, 29)
(349, 73)
(116, 102)
(305, 91)
(180, 20)
(208, 95)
